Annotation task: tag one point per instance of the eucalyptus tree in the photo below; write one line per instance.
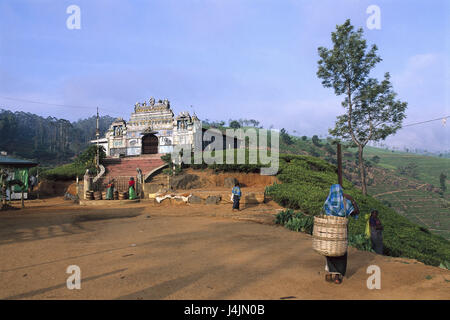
(372, 110)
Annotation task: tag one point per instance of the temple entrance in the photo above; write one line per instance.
(149, 144)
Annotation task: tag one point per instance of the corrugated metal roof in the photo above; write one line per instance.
(5, 160)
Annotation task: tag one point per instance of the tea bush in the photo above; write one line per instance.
(300, 222)
(246, 167)
(85, 160)
(64, 172)
(360, 241)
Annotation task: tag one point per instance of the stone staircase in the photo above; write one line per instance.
(126, 167)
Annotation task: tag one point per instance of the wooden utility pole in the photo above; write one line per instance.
(37, 181)
(97, 135)
(78, 188)
(339, 163)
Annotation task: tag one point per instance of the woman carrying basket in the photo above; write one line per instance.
(338, 204)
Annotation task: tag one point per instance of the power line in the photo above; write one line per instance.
(413, 124)
(56, 104)
(47, 103)
(106, 110)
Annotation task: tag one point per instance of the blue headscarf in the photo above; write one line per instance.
(334, 205)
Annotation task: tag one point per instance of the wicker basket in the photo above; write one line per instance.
(97, 195)
(89, 195)
(123, 195)
(330, 235)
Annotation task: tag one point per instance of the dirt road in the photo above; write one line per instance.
(148, 251)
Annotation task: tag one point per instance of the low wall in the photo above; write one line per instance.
(106, 202)
(248, 198)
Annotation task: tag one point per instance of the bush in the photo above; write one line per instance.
(284, 216)
(64, 172)
(375, 159)
(330, 149)
(295, 221)
(224, 167)
(234, 124)
(86, 160)
(285, 137)
(360, 242)
(316, 141)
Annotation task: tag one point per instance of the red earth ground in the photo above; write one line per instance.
(181, 251)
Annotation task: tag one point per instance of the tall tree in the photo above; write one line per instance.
(234, 124)
(372, 111)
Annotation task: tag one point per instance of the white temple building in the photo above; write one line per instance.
(152, 129)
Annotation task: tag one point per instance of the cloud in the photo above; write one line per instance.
(305, 116)
(429, 136)
(418, 70)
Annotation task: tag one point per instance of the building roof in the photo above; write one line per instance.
(13, 162)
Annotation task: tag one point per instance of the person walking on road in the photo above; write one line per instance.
(236, 192)
(343, 205)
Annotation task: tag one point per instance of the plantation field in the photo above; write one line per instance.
(419, 206)
(428, 168)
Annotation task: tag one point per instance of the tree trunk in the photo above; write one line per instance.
(361, 170)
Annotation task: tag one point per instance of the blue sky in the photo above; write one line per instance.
(227, 58)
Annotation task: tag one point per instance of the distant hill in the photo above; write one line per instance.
(49, 141)
(428, 167)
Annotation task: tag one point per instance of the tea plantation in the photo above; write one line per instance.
(305, 185)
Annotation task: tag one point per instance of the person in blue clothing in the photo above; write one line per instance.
(338, 204)
(236, 196)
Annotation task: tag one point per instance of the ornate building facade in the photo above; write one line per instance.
(152, 129)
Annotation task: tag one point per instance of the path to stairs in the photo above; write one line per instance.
(123, 167)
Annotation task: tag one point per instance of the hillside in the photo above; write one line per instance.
(428, 168)
(414, 193)
(49, 141)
